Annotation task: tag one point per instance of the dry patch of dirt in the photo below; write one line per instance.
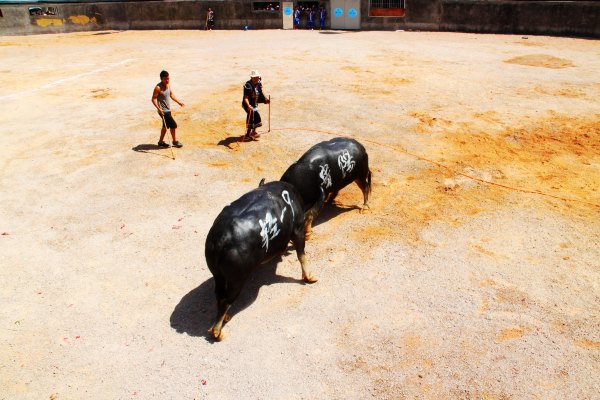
(541, 60)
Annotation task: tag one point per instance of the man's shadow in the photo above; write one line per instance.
(228, 142)
(148, 148)
(197, 310)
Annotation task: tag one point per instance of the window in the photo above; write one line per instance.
(270, 6)
(387, 3)
(33, 11)
(386, 8)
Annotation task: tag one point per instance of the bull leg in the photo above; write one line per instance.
(306, 274)
(225, 298)
(222, 317)
(365, 187)
(298, 241)
(332, 197)
(308, 226)
(310, 215)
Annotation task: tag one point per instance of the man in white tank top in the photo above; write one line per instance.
(161, 98)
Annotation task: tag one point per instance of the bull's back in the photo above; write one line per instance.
(253, 228)
(330, 165)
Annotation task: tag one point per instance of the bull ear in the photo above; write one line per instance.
(262, 182)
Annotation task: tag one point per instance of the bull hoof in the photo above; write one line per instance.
(217, 334)
(309, 279)
(364, 208)
(227, 318)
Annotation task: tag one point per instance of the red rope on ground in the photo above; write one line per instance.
(444, 166)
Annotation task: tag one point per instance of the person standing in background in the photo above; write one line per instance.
(310, 23)
(297, 18)
(322, 15)
(210, 19)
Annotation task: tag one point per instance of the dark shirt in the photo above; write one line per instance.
(254, 93)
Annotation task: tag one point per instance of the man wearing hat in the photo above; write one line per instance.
(253, 94)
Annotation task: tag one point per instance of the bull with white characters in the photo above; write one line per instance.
(250, 231)
(329, 166)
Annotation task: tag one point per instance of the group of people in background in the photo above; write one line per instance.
(310, 13)
(268, 7)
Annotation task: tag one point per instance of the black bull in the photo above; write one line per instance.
(250, 231)
(331, 166)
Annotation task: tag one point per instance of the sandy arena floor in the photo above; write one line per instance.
(449, 288)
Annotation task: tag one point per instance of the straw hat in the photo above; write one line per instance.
(254, 74)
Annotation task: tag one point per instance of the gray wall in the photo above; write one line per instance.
(574, 18)
(135, 15)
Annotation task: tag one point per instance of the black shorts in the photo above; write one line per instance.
(168, 118)
(253, 119)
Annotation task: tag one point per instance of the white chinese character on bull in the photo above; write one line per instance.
(268, 230)
(325, 175)
(286, 197)
(346, 163)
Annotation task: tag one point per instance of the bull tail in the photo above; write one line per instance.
(213, 258)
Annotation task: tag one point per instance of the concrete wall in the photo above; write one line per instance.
(134, 15)
(575, 18)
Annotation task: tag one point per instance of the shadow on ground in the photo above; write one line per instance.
(331, 211)
(106, 33)
(151, 149)
(197, 310)
(232, 140)
(334, 32)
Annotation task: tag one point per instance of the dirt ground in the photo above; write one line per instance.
(451, 287)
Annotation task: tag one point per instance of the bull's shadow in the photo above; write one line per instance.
(197, 310)
(332, 210)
